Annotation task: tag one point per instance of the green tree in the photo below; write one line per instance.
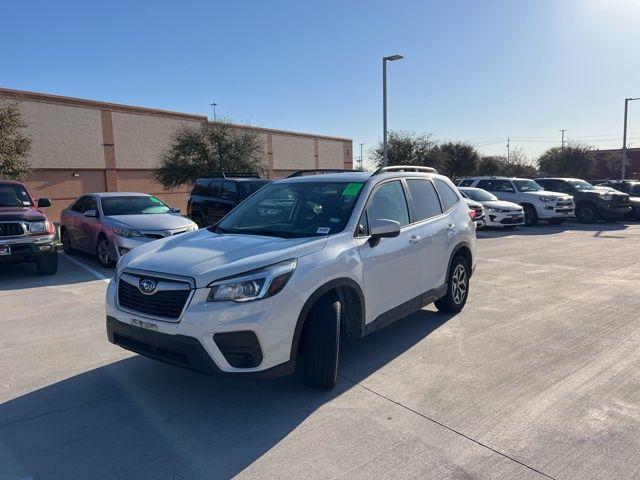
(409, 148)
(14, 145)
(491, 165)
(216, 147)
(460, 159)
(574, 160)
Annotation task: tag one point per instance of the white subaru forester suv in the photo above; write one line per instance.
(301, 261)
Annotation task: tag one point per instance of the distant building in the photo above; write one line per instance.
(609, 163)
(81, 146)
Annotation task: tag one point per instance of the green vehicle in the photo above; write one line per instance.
(592, 204)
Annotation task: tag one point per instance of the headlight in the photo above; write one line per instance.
(546, 199)
(606, 197)
(39, 227)
(192, 227)
(255, 285)
(126, 232)
(492, 209)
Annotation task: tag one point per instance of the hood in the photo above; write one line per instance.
(502, 204)
(207, 256)
(546, 193)
(21, 214)
(600, 193)
(156, 221)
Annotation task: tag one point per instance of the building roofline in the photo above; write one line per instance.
(22, 95)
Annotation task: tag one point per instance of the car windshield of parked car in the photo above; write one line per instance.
(296, 209)
(130, 205)
(581, 185)
(14, 196)
(527, 186)
(479, 195)
(246, 189)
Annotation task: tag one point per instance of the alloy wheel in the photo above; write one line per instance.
(459, 284)
(103, 252)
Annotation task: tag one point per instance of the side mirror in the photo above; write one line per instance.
(90, 213)
(383, 228)
(44, 202)
(175, 210)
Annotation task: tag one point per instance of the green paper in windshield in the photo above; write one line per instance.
(351, 190)
(155, 200)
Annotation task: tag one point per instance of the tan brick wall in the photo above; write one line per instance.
(292, 153)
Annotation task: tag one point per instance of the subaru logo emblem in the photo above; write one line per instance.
(147, 286)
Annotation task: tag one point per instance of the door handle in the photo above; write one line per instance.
(414, 240)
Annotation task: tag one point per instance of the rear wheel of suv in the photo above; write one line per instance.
(47, 264)
(586, 213)
(457, 287)
(322, 343)
(530, 215)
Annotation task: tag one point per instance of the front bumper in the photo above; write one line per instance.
(614, 211)
(563, 210)
(26, 246)
(235, 338)
(501, 219)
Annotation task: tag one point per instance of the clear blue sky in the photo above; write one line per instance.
(474, 70)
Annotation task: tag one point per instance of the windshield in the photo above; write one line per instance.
(304, 209)
(478, 194)
(14, 196)
(581, 185)
(527, 186)
(635, 190)
(248, 188)
(133, 206)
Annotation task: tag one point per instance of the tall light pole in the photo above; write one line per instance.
(214, 105)
(361, 157)
(384, 104)
(624, 135)
(508, 149)
(563, 130)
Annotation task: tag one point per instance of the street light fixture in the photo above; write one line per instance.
(624, 135)
(390, 58)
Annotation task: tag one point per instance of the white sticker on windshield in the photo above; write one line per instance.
(323, 230)
(334, 220)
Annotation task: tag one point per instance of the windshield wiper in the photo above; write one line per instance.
(217, 229)
(265, 232)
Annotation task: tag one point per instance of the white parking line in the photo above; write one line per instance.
(93, 272)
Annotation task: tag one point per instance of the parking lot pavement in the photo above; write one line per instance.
(536, 378)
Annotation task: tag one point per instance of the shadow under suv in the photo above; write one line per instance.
(301, 260)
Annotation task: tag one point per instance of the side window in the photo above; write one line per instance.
(90, 205)
(388, 202)
(424, 199)
(488, 185)
(229, 190)
(79, 205)
(447, 195)
(213, 190)
(467, 183)
(503, 186)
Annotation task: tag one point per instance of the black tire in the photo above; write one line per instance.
(105, 261)
(530, 215)
(556, 221)
(456, 297)
(586, 213)
(47, 264)
(66, 242)
(322, 343)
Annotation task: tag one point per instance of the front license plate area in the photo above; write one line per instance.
(143, 324)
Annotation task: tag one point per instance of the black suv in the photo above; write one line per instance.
(631, 188)
(591, 203)
(212, 198)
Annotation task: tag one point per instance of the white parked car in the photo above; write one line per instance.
(498, 213)
(537, 203)
(287, 270)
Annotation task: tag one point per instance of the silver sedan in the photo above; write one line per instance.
(108, 225)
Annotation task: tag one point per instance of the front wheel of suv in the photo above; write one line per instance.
(457, 287)
(530, 215)
(322, 343)
(586, 213)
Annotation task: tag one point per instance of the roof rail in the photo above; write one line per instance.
(232, 175)
(405, 168)
(301, 173)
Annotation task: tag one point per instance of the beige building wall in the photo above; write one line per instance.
(81, 146)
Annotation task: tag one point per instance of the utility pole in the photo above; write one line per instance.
(391, 58)
(361, 157)
(508, 149)
(563, 130)
(624, 136)
(214, 105)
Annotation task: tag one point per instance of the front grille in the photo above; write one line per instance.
(166, 303)
(620, 200)
(510, 221)
(11, 229)
(153, 235)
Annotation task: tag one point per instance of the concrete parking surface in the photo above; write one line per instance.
(539, 377)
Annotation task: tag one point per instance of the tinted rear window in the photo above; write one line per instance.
(249, 188)
(425, 199)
